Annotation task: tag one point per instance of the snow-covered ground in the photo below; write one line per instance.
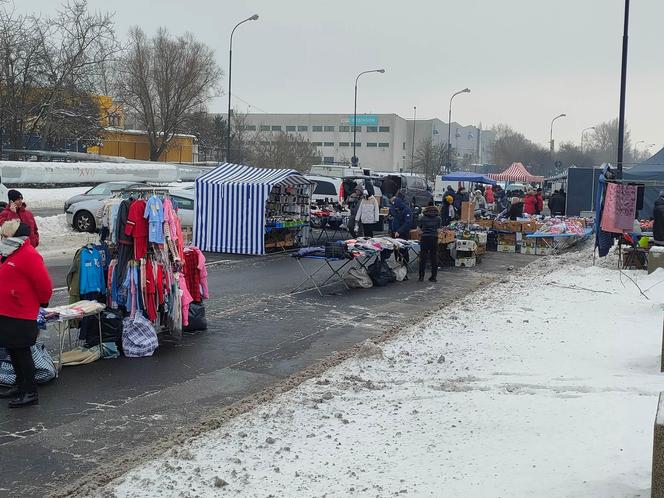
(545, 384)
(49, 197)
(56, 238)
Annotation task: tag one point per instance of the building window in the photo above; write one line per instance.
(250, 128)
(356, 144)
(343, 128)
(302, 128)
(329, 144)
(343, 144)
(316, 128)
(383, 145)
(291, 128)
(265, 128)
(356, 128)
(328, 160)
(276, 128)
(317, 144)
(372, 144)
(328, 128)
(384, 129)
(372, 129)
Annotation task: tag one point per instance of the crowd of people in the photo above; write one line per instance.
(25, 286)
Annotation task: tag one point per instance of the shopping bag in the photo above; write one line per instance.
(197, 319)
(44, 366)
(358, 278)
(381, 274)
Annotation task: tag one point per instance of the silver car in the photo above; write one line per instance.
(83, 216)
(101, 191)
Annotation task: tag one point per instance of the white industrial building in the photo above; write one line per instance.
(384, 141)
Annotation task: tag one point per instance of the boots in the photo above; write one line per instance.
(25, 399)
(421, 279)
(432, 279)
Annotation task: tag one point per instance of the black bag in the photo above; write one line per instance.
(381, 274)
(335, 250)
(111, 328)
(197, 319)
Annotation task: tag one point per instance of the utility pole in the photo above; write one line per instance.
(412, 150)
(623, 83)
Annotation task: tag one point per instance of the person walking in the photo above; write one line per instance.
(17, 210)
(516, 209)
(429, 224)
(368, 214)
(530, 203)
(25, 285)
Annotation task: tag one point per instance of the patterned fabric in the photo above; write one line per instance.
(44, 366)
(619, 208)
(192, 274)
(139, 337)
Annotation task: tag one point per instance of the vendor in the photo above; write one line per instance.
(402, 219)
(658, 215)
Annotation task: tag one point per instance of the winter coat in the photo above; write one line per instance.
(430, 222)
(488, 193)
(24, 283)
(530, 204)
(500, 199)
(480, 202)
(368, 211)
(460, 197)
(515, 211)
(540, 203)
(556, 204)
(402, 218)
(24, 216)
(658, 225)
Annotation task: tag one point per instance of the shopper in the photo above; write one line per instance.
(402, 219)
(658, 215)
(447, 213)
(540, 201)
(500, 198)
(429, 224)
(556, 204)
(353, 204)
(480, 201)
(516, 209)
(563, 200)
(17, 210)
(24, 285)
(368, 214)
(530, 203)
(488, 195)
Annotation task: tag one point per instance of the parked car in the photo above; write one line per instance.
(101, 191)
(326, 190)
(414, 188)
(83, 216)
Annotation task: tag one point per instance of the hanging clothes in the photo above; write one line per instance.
(154, 213)
(619, 208)
(137, 228)
(124, 241)
(91, 273)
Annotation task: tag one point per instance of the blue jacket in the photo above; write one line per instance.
(402, 218)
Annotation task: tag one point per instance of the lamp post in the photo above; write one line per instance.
(449, 126)
(354, 160)
(412, 150)
(551, 144)
(583, 134)
(623, 83)
(230, 67)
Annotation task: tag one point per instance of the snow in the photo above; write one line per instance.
(49, 197)
(56, 238)
(545, 384)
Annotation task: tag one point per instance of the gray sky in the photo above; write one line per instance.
(525, 61)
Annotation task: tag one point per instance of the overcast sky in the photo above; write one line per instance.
(526, 61)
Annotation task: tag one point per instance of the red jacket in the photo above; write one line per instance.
(540, 203)
(530, 204)
(24, 283)
(488, 195)
(26, 217)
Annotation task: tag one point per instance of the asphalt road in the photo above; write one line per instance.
(258, 335)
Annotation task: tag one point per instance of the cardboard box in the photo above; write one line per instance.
(446, 236)
(507, 239)
(465, 262)
(514, 226)
(543, 251)
(480, 237)
(415, 234)
(467, 212)
(506, 247)
(488, 224)
(529, 226)
(503, 226)
(528, 249)
(481, 249)
(466, 245)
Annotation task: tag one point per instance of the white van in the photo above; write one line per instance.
(326, 189)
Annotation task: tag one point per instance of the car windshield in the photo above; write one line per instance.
(101, 189)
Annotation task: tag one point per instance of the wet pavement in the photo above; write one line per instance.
(258, 335)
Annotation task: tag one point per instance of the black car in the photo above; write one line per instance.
(414, 189)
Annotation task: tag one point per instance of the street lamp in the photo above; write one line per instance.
(412, 150)
(230, 66)
(583, 133)
(449, 126)
(354, 160)
(551, 146)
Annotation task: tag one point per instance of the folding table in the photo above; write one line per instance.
(337, 273)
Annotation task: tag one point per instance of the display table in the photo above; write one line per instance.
(337, 273)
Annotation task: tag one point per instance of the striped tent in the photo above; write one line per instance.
(229, 212)
(517, 172)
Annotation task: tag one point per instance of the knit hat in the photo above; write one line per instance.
(14, 195)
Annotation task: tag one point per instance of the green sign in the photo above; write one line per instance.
(364, 120)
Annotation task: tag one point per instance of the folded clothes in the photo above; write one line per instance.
(80, 356)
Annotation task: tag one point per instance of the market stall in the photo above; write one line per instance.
(517, 172)
(244, 210)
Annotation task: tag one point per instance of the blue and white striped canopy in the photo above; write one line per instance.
(229, 213)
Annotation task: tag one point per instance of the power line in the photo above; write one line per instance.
(236, 96)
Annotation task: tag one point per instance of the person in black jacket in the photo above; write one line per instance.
(516, 209)
(429, 224)
(658, 215)
(402, 219)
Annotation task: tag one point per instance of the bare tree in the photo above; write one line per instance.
(429, 158)
(282, 150)
(163, 79)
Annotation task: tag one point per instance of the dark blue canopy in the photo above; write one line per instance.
(650, 169)
(468, 176)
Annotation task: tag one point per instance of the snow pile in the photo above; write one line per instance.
(543, 385)
(49, 197)
(56, 238)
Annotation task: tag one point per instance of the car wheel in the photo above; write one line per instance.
(84, 222)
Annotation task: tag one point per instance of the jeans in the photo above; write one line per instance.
(24, 367)
(429, 251)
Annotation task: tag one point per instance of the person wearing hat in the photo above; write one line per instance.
(17, 210)
(25, 285)
(368, 213)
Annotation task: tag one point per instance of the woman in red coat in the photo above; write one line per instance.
(530, 203)
(24, 286)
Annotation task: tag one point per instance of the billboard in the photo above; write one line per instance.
(364, 120)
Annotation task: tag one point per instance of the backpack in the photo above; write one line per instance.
(358, 278)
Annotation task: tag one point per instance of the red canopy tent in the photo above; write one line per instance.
(517, 172)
